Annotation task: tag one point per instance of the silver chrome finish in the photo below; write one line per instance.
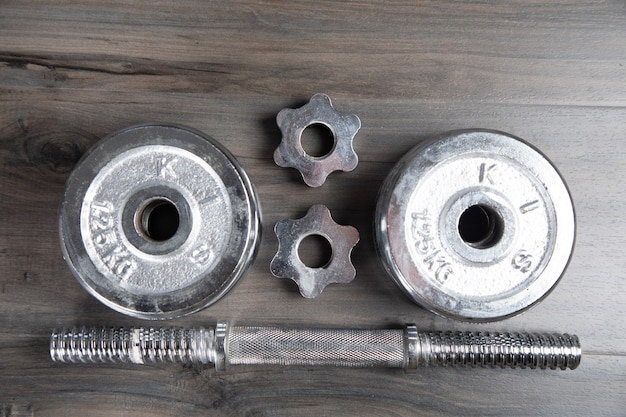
(290, 153)
(109, 212)
(287, 264)
(244, 345)
(475, 225)
(247, 345)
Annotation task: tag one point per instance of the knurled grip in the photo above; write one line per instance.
(248, 345)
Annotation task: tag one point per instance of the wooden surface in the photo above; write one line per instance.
(72, 72)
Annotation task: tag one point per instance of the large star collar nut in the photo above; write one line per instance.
(287, 263)
(290, 153)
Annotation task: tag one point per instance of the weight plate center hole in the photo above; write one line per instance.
(158, 219)
(317, 140)
(315, 251)
(481, 226)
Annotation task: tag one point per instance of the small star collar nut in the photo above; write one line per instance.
(287, 263)
(290, 153)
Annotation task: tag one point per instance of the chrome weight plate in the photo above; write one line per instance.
(475, 225)
(158, 221)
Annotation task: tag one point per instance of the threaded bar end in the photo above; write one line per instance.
(138, 345)
(504, 350)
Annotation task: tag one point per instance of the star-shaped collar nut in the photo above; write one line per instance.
(290, 153)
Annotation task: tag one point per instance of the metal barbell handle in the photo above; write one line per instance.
(225, 345)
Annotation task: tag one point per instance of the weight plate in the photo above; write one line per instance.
(475, 225)
(158, 221)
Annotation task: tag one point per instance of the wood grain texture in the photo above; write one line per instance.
(71, 72)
